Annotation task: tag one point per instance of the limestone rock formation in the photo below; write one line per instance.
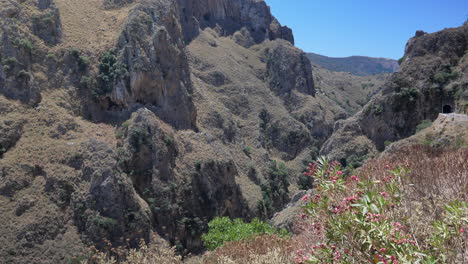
(433, 75)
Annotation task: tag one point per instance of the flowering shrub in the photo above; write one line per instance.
(357, 221)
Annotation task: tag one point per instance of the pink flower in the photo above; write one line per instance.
(354, 178)
(383, 250)
(305, 198)
(462, 230)
(339, 172)
(384, 194)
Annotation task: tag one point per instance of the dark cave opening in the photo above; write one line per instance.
(447, 109)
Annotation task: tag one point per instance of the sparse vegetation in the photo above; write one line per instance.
(275, 190)
(82, 60)
(247, 150)
(410, 94)
(104, 222)
(26, 44)
(423, 125)
(444, 77)
(139, 136)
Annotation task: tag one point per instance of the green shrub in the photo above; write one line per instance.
(104, 222)
(25, 44)
(376, 109)
(247, 150)
(305, 182)
(443, 77)
(82, 60)
(423, 125)
(400, 60)
(139, 136)
(168, 140)
(10, 61)
(409, 94)
(223, 229)
(86, 81)
(110, 70)
(275, 190)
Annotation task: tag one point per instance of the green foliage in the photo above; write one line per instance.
(139, 136)
(444, 77)
(264, 117)
(86, 81)
(376, 109)
(409, 94)
(193, 224)
(168, 140)
(247, 150)
(110, 70)
(26, 44)
(25, 75)
(423, 125)
(275, 190)
(400, 60)
(104, 222)
(367, 85)
(82, 60)
(223, 229)
(10, 61)
(358, 221)
(305, 182)
(388, 143)
(51, 56)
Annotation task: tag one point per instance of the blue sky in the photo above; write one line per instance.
(377, 28)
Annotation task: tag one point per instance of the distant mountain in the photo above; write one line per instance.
(357, 65)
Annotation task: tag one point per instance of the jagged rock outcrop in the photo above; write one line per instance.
(20, 50)
(109, 208)
(10, 133)
(251, 17)
(288, 69)
(433, 75)
(180, 204)
(186, 111)
(149, 66)
(47, 24)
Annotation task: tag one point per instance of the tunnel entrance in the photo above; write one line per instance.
(447, 109)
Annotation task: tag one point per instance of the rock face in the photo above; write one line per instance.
(47, 25)
(10, 133)
(289, 69)
(179, 204)
(153, 67)
(188, 111)
(433, 75)
(251, 17)
(109, 208)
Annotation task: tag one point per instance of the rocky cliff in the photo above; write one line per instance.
(432, 80)
(129, 120)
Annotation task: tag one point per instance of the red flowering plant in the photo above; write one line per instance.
(356, 221)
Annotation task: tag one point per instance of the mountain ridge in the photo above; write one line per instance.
(357, 65)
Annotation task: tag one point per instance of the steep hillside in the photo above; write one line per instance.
(432, 80)
(349, 92)
(357, 65)
(129, 120)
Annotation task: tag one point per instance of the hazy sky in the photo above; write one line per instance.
(377, 28)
